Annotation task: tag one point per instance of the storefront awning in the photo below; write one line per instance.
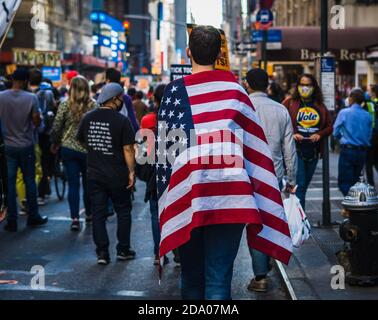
(303, 43)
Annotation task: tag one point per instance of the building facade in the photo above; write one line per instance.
(53, 25)
(349, 40)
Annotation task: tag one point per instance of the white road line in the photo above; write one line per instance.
(286, 280)
(127, 293)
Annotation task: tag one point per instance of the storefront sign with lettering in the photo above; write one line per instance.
(34, 58)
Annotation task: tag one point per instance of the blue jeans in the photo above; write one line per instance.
(100, 194)
(351, 164)
(306, 170)
(155, 224)
(23, 158)
(207, 262)
(75, 163)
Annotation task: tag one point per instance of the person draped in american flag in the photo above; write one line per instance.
(215, 175)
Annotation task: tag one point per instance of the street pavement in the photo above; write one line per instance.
(310, 268)
(70, 265)
(71, 271)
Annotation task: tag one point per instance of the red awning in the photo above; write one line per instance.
(309, 38)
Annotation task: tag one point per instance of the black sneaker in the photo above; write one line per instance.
(88, 219)
(126, 255)
(75, 225)
(37, 222)
(103, 259)
(11, 226)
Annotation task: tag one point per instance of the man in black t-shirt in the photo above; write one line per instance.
(109, 139)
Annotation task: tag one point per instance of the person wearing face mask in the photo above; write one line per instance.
(74, 155)
(354, 128)
(312, 123)
(110, 139)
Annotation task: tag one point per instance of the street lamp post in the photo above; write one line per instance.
(326, 184)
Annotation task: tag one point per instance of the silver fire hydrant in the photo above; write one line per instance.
(360, 231)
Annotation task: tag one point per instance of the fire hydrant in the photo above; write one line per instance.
(360, 231)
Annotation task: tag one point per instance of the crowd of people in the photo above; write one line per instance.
(92, 129)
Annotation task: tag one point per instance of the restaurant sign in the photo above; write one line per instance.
(341, 55)
(34, 58)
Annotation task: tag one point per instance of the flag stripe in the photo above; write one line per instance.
(206, 77)
(219, 96)
(211, 192)
(270, 248)
(199, 164)
(216, 86)
(214, 175)
(223, 216)
(231, 115)
(209, 207)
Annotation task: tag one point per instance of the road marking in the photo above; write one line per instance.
(321, 189)
(321, 198)
(127, 293)
(286, 280)
(29, 289)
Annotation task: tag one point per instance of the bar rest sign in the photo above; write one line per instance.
(328, 78)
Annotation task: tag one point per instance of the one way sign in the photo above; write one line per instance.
(244, 47)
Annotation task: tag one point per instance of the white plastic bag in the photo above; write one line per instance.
(299, 225)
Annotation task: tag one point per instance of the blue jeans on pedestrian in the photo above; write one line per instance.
(75, 164)
(351, 164)
(23, 158)
(154, 208)
(207, 262)
(100, 193)
(306, 170)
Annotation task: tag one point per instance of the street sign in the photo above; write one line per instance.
(328, 80)
(273, 36)
(244, 47)
(179, 71)
(264, 19)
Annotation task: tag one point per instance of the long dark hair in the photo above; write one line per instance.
(317, 95)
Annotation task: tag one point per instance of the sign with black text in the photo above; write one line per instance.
(179, 71)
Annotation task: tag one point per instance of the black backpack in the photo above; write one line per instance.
(47, 109)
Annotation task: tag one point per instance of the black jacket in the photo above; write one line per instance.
(3, 174)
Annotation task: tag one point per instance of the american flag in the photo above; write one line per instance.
(220, 168)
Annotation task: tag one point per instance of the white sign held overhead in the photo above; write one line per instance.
(8, 9)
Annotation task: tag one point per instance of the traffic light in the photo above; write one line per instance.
(127, 25)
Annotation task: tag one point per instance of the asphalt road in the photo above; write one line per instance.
(69, 262)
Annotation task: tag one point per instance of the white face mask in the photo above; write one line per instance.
(347, 103)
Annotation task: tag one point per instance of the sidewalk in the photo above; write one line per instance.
(310, 268)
